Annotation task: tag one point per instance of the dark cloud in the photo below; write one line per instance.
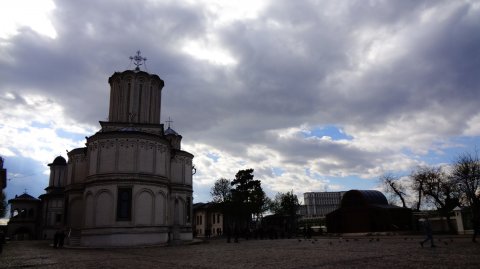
(297, 63)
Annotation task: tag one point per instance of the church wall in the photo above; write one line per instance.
(70, 170)
(58, 176)
(177, 170)
(181, 170)
(103, 208)
(188, 172)
(75, 210)
(149, 206)
(107, 156)
(144, 207)
(160, 208)
(77, 166)
(131, 155)
(179, 212)
(161, 157)
(126, 155)
(93, 158)
(80, 169)
(146, 153)
(89, 210)
(54, 208)
(123, 237)
(181, 208)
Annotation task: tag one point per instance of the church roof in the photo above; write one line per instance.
(170, 131)
(59, 161)
(24, 197)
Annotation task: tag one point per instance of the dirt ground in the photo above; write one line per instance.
(321, 252)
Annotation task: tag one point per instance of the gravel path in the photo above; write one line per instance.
(352, 252)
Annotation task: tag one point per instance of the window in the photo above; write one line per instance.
(213, 218)
(188, 209)
(124, 204)
(58, 218)
(218, 218)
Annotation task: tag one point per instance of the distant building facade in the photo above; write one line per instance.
(132, 183)
(208, 220)
(319, 204)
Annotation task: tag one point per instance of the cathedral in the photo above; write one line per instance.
(131, 184)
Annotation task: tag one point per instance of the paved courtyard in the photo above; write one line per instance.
(322, 252)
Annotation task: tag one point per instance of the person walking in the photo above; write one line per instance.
(476, 227)
(2, 241)
(427, 228)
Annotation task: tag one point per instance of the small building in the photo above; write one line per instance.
(367, 211)
(207, 220)
(24, 212)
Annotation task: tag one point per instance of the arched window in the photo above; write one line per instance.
(124, 204)
(23, 213)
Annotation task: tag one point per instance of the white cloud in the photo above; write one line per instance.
(31, 128)
(26, 13)
(248, 82)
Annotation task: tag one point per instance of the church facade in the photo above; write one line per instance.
(132, 183)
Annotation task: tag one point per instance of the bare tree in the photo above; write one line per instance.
(393, 186)
(438, 186)
(418, 179)
(466, 174)
(221, 190)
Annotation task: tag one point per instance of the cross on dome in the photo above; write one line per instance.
(138, 60)
(169, 121)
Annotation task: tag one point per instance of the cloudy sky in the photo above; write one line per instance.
(314, 95)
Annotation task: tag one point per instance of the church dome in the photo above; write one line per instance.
(59, 161)
(170, 131)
